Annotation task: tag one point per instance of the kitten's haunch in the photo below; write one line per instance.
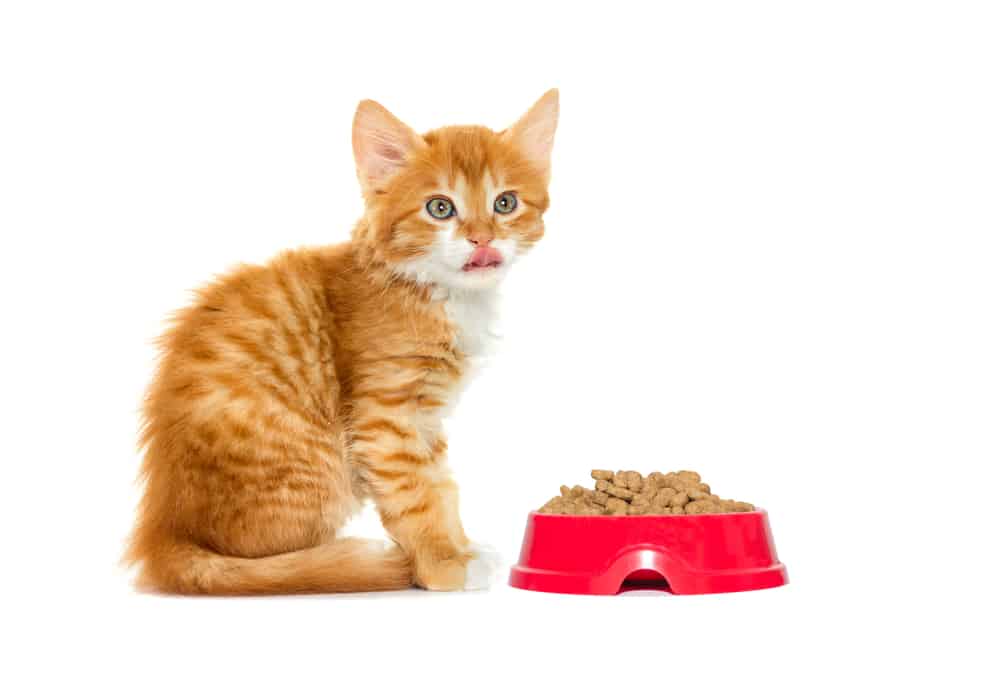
(287, 394)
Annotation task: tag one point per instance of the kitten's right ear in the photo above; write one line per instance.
(382, 144)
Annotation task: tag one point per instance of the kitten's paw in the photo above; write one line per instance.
(483, 569)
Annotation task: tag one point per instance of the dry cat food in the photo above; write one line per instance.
(629, 493)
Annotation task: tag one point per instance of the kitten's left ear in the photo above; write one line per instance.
(382, 144)
(535, 132)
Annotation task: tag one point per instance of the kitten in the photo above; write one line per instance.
(289, 393)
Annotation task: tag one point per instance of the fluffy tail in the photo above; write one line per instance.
(341, 566)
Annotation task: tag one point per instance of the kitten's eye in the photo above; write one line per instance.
(505, 203)
(440, 208)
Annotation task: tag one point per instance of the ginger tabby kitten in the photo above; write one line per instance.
(289, 393)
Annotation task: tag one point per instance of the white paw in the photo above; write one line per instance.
(483, 569)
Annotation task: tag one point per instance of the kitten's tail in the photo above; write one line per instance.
(343, 565)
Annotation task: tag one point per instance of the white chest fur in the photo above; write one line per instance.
(474, 317)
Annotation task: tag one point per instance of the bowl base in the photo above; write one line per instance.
(615, 582)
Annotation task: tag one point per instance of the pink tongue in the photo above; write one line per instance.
(485, 255)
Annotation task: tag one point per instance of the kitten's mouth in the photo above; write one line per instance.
(483, 258)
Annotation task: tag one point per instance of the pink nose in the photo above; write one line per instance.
(480, 238)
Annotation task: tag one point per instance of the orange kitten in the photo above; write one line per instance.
(289, 393)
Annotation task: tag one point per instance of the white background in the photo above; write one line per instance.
(771, 257)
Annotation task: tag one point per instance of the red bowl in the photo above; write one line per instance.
(605, 555)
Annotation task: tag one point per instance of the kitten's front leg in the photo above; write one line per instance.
(418, 503)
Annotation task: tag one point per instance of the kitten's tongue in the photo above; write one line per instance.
(484, 256)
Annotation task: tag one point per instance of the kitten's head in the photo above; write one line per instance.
(456, 206)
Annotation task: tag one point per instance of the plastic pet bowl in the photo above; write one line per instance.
(605, 555)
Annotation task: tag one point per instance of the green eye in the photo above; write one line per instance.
(440, 208)
(505, 203)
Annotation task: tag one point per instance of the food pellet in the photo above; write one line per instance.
(619, 493)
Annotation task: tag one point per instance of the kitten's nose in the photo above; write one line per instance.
(479, 238)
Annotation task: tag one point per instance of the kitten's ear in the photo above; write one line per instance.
(382, 144)
(535, 132)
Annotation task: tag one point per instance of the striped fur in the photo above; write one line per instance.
(289, 393)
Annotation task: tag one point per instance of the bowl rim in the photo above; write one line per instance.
(536, 514)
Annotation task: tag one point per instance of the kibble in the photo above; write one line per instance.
(619, 493)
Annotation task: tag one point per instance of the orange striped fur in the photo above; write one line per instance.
(287, 394)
